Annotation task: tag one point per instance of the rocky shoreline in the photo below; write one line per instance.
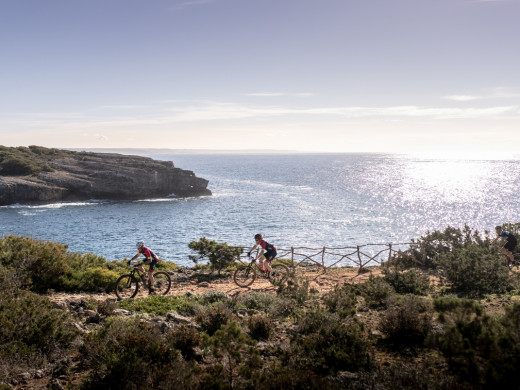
(73, 176)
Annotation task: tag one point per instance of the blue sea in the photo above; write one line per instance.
(294, 200)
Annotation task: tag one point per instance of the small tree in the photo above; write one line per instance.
(220, 255)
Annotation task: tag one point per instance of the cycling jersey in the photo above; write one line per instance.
(511, 240)
(266, 246)
(150, 256)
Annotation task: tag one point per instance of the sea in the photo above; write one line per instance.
(292, 199)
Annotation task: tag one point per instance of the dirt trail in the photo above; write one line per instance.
(183, 286)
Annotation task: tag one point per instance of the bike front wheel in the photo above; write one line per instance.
(244, 275)
(126, 287)
(163, 282)
(279, 274)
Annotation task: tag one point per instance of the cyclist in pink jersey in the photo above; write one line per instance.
(151, 258)
(268, 253)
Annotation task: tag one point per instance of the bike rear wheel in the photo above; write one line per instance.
(244, 275)
(163, 282)
(126, 287)
(280, 274)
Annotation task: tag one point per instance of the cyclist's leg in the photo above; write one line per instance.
(509, 256)
(151, 270)
(261, 261)
(269, 256)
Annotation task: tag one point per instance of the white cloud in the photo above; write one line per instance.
(462, 98)
(277, 94)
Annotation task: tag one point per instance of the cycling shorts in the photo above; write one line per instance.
(270, 255)
(152, 263)
(510, 245)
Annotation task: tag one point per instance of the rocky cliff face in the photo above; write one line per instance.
(83, 176)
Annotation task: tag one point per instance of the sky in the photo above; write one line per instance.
(420, 76)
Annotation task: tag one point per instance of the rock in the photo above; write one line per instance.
(76, 176)
(176, 317)
(122, 312)
(203, 284)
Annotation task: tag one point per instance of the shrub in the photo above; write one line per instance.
(376, 292)
(474, 271)
(220, 255)
(335, 346)
(161, 305)
(128, 354)
(185, 339)
(31, 331)
(44, 265)
(407, 324)
(410, 281)
(260, 327)
(213, 318)
(341, 300)
(424, 251)
(18, 166)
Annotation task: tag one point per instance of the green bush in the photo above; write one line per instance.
(410, 281)
(220, 255)
(260, 327)
(407, 324)
(342, 300)
(186, 339)
(44, 265)
(335, 346)
(474, 271)
(17, 166)
(376, 292)
(213, 318)
(31, 331)
(129, 354)
(425, 250)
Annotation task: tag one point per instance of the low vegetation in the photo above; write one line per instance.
(23, 161)
(444, 314)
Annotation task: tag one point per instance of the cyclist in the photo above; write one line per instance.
(151, 258)
(509, 245)
(268, 254)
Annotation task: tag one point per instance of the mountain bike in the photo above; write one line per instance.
(127, 285)
(246, 274)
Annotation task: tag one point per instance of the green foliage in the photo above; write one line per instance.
(128, 354)
(407, 324)
(161, 305)
(410, 281)
(186, 339)
(342, 300)
(425, 250)
(44, 265)
(31, 331)
(474, 271)
(213, 318)
(22, 161)
(260, 327)
(220, 255)
(334, 346)
(376, 292)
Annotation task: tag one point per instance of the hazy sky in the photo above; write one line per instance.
(311, 75)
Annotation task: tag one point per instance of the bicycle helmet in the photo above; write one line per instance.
(139, 244)
(258, 236)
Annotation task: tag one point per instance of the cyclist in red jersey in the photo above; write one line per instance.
(151, 259)
(268, 253)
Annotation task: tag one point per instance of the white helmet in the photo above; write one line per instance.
(139, 244)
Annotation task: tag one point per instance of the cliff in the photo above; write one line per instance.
(41, 175)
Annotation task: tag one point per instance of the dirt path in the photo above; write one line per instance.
(186, 286)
